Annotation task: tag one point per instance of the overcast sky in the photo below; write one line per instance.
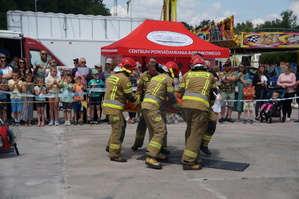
(195, 11)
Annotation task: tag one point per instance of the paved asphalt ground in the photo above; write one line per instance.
(71, 163)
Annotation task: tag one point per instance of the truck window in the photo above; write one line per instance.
(34, 56)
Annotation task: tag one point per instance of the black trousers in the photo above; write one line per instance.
(286, 105)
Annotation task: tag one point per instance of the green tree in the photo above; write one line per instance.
(288, 21)
(244, 27)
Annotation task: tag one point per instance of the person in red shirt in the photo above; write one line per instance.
(249, 94)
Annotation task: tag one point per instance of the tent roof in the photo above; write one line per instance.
(163, 39)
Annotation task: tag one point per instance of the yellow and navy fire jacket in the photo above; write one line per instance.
(197, 87)
(118, 90)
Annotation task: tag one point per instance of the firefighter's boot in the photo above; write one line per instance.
(206, 150)
(152, 162)
(118, 159)
(161, 156)
(192, 167)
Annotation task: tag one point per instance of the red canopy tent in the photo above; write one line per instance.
(163, 39)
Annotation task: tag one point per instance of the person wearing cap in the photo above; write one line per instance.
(108, 66)
(249, 94)
(76, 65)
(95, 97)
(99, 68)
(228, 79)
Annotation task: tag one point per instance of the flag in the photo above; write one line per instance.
(128, 6)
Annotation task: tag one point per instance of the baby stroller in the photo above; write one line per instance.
(275, 111)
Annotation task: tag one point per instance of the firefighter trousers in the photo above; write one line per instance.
(141, 131)
(118, 126)
(156, 124)
(210, 128)
(196, 125)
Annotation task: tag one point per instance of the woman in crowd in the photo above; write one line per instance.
(287, 80)
(27, 107)
(240, 83)
(260, 83)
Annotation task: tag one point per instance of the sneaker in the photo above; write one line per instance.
(65, 123)
(51, 123)
(244, 121)
(99, 121)
(152, 163)
(221, 120)
(134, 147)
(283, 118)
(192, 167)
(56, 123)
(118, 159)
(75, 122)
(296, 120)
(251, 121)
(81, 123)
(206, 150)
(230, 120)
(288, 119)
(69, 123)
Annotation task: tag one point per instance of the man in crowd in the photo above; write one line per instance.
(39, 64)
(228, 79)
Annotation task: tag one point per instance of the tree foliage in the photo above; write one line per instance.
(244, 27)
(276, 58)
(93, 7)
(288, 21)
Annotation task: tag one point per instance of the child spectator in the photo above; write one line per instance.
(95, 97)
(15, 86)
(3, 99)
(217, 105)
(40, 90)
(249, 94)
(270, 104)
(27, 107)
(67, 102)
(78, 107)
(53, 88)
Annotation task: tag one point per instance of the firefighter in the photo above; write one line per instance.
(211, 127)
(118, 90)
(141, 88)
(209, 132)
(196, 87)
(159, 88)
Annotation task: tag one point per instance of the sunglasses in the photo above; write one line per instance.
(84, 62)
(44, 54)
(21, 62)
(241, 67)
(3, 61)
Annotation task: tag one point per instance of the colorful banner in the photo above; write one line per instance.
(224, 30)
(270, 39)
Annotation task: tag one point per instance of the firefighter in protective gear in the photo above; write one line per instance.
(211, 127)
(118, 90)
(141, 88)
(159, 88)
(209, 132)
(196, 86)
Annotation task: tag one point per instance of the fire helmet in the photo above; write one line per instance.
(197, 62)
(173, 69)
(127, 64)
